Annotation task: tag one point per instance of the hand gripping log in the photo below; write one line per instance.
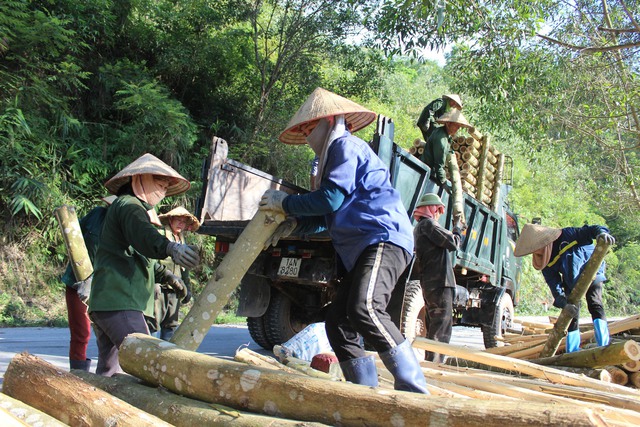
(228, 275)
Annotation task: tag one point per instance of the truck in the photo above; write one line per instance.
(291, 285)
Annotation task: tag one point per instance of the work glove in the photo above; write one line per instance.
(272, 200)
(607, 238)
(459, 227)
(184, 255)
(83, 288)
(284, 229)
(175, 283)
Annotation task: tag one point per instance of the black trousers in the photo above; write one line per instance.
(594, 305)
(359, 307)
(439, 317)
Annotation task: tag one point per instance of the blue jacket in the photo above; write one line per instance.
(569, 254)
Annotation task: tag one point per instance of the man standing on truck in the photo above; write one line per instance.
(370, 231)
(432, 112)
(433, 244)
(561, 255)
(438, 145)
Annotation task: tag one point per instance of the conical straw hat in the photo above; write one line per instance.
(148, 164)
(455, 98)
(534, 237)
(454, 116)
(322, 103)
(194, 224)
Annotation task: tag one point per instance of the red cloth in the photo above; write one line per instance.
(322, 362)
(79, 325)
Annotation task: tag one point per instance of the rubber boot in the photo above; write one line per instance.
(166, 334)
(82, 365)
(573, 341)
(402, 363)
(601, 329)
(361, 371)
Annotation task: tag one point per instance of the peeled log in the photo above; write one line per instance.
(613, 354)
(8, 420)
(26, 413)
(522, 366)
(292, 396)
(74, 241)
(67, 398)
(456, 188)
(178, 410)
(229, 273)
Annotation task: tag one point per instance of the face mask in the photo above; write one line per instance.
(318, 136)
(149, 189)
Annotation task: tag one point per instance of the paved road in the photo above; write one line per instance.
(52, 344)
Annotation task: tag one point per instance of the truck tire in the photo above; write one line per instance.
(281, 320)
(502, 319)
(413, 319)
(258, 332)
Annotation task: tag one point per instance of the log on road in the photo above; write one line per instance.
(67, 398)
(597, 357)
(178, 410)
(311, 399)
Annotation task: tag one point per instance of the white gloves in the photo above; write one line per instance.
(184, 255)
(607, 238)
(83, 288)
(285, 229)
(272, 200)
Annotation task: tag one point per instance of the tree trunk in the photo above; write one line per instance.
(618, 376)
(178, 410)
(292, 396)
(456, 188)
(67, 398)
(582, 285)
(597, 357)
(228, 275)
(74, 242)
(27, 413)
(634, 379)
(522, 366)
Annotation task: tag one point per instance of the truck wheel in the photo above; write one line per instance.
(258, 332)
(413, 320)
(502, 319)
(281, 319)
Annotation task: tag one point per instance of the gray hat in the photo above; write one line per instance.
(429, 199)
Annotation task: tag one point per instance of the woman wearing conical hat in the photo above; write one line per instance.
(438, 146)
(561, 255)
(369, 228)
(124, 275)
(168, 300)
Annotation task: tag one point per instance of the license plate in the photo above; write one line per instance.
(290, 267)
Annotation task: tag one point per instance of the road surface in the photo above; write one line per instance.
(52, 344)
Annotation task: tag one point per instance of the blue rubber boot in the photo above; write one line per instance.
(601, 329)
(573, 341)
(361, 371)
(402, 363)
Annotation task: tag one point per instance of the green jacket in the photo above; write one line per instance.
(435, 153)
(123, 277)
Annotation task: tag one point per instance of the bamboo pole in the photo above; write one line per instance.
(456, 189)
(74, 241)
(522, 366)
(495, 200)
(475, 134)
(470, 158)
(310, 399)
(482, 165)
(27, 413)
(67, 398)
(573, 301)
(597, 357)
(178, 410)
(228, 275)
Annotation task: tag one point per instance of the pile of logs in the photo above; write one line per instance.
(481, 165)
(170, 385)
